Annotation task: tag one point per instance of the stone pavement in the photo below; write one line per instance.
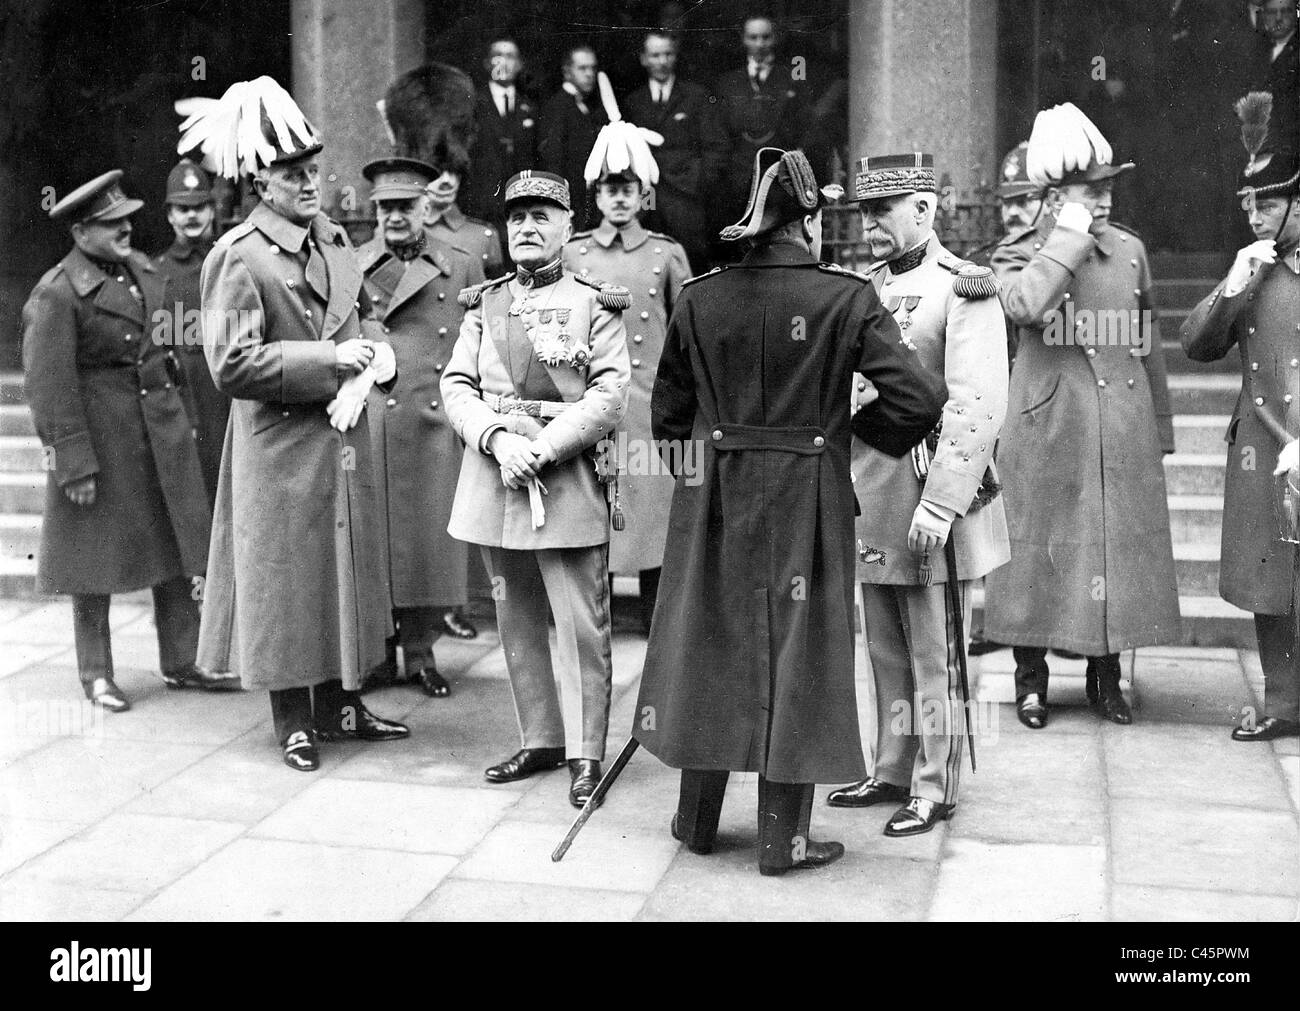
(181, 809)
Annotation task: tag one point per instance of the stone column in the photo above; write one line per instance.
(922, 77)
(344, 56)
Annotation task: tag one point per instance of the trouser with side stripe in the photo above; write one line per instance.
(912, 641)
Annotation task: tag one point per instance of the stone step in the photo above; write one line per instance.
(1195, 519)
(20, 535)
(20, 454)
(16, 419)
(1197, 566)
(22, 493)
(1194, 474)
(12, 385)
(18, 579)
(1182, 292)
(1207, 620)
(1189, 265)
(1201, 433)
(1204, 393)
(1177, 362)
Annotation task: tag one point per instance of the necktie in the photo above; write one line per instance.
(317, 272)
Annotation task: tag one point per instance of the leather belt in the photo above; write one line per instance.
(533, 408)
(807, 440)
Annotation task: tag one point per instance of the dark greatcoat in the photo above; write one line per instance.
(182, 264)
(1257, 568)
(750, 661)
(104, 399)
(296, 592)
(417, 452)
(1092, 563)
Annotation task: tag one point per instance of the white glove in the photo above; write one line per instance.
(345, 409)
(930, 526)
(1288, 461)
(384, 363)
(1074, 216)
(1248, 261)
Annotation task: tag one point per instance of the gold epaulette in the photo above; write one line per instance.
(611, 296)
(971, 280)
(470, 297)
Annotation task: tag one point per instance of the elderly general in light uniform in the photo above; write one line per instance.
(951, 320)
(539, 377)
(296, 600)
(1257, 308)
(652, 267)
(124, 502)
(413, 280)
(1092, 567)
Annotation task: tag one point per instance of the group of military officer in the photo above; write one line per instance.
(379, 412)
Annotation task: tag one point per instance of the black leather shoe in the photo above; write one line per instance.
(917, 817)
(1032, 711)
(1267, 729)
(104, 693)
(300, 752)
(458, 625)
(433, 684)
(675, 827)
(864, 794)
(584, 777)
(382, 675)
(816, 855)
(524, 763)
(194, 676)
(1110, 702)
(369, 727)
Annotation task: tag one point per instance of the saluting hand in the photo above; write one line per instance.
(81, 491)
(1249, 259)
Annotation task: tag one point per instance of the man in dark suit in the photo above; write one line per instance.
(507, 133)
(763, 104)
(694, 152)
(1278, 66)
(570, 121)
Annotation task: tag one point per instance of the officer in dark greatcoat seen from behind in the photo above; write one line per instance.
(749, 667)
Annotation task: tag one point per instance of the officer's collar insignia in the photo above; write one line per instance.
(541, 277)
(909, 260)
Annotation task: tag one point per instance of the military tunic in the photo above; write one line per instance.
(652, 267)
(104, 399)
(417, 452)
(1257, 568)
(182, 264)
(962, 339)
(1092, 566)
(552, 560)
(476, 237)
